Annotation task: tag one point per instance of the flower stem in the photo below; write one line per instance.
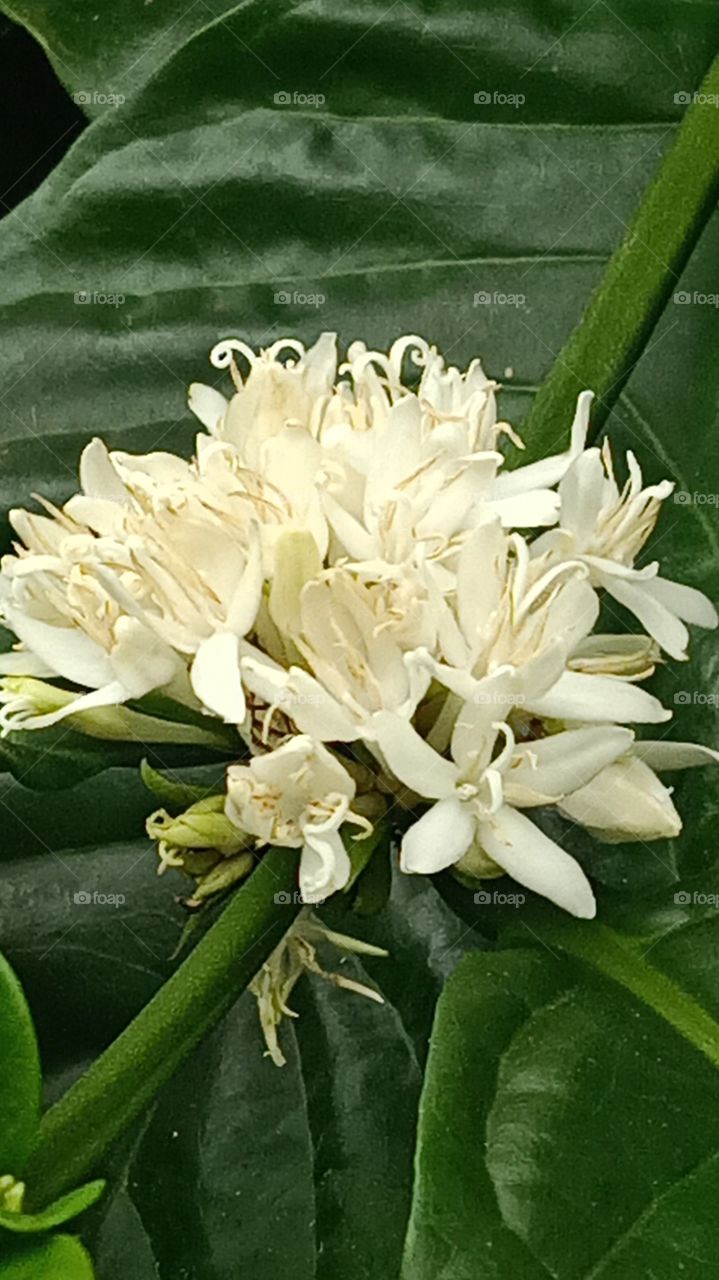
(77, 1132)
(617, 958)
(640, 277)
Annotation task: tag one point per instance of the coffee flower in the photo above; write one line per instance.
(348, 583)
(298, 797)
(606, 528)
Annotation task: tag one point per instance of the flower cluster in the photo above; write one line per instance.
(348, 573)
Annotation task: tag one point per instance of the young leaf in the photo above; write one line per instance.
(63, 1210)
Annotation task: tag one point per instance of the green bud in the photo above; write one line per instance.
(297, 561)
(222, 876)
(12, 1194)
(476, 865)
(33, 698)
(204, 825)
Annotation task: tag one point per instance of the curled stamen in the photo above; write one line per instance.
(222, 354)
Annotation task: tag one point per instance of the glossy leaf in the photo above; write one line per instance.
(397, 200)
(19, 1075)
(565, 1130)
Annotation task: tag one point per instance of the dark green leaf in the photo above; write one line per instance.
(398, 200)
(248, 1167)
(565, 1131)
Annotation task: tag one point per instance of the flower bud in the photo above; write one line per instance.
(203, 826)
(12, 1194)
(223, 875)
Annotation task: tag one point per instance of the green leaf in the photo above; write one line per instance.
(19, 1075)
(103, 57)
(641, 276)
(277, 1171)
(58, 1258)
(61, 1211)
(398, 200)
(176, 795)
(565, 1130)
(125, 1079)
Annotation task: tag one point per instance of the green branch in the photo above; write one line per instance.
(77, 1132)
(640, 278)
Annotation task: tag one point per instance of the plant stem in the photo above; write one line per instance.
(616, 958)
(639, 279)
(77, 1132)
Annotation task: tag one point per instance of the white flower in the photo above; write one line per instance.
(606, 528)
(530, 614)
(347, 560)
(480, 790)
(298, 797)
(154, 578)
(358, 668)
(68, 623)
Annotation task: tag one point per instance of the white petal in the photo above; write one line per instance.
(533, 510)
(140, 659)
(579, 697)
(659, 621)
(207, 405)
(315, 711)
(686, 602)
(581, 493)
(626, 801)
(245, 601)
(473, 735)
(110, 695)
(534, 860)
(21, 662)
(215, 677)
(71, 653)
(439, 839)
(674, 755)
(325, 865)
(480, 577)
(549, 471)
(98, 477)
(546, 770)
(410, 758)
